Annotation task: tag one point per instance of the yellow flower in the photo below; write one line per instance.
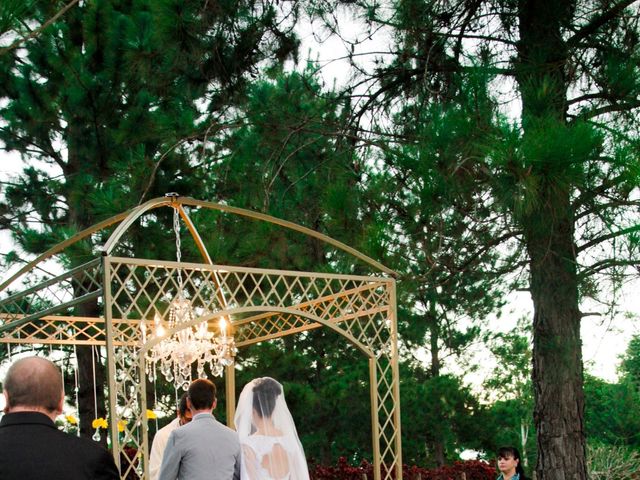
(121, 425)
(151, 414)
(71, 419)
(99, 423)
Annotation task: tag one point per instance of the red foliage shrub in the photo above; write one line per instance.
(132, 454)
(467, 470)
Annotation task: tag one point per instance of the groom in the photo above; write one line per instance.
(203, 449)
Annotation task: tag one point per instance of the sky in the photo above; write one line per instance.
(604, 339)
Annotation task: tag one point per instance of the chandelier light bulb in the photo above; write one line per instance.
(160, 331)
(223, 326)
(143, 331)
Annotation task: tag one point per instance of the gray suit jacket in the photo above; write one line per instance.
(203, 449)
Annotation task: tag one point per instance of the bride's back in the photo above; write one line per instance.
(268, 456)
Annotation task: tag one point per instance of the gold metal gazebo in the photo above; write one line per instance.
(261, 305)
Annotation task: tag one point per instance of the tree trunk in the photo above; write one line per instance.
(549, 235)
(557, 355)
(434, 337)
(91, 379)
(91, 371)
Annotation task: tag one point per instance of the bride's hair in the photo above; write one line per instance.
(262, 413)
(265, 393)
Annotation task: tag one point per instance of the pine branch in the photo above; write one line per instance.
(473, 8)
(606, 264)
(597, 240)
(589, 96)
(152, 175)
(591, 314)
(596, 192)
(615, 203)
(38, 30)
(598, 22)
(50, 151)
(620, 107)
(16, 258)
(478, 37)
(616, 133)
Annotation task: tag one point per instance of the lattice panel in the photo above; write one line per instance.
(65, 330)
(57, 294)
(353, 311)
(130, 409)
(271, 325)
(387, 406)
(141, 291)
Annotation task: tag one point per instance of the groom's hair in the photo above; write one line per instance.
(265, 393)
(202, 393)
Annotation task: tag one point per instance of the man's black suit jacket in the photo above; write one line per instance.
(32, 448)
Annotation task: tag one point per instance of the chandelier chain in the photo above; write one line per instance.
(176, 231)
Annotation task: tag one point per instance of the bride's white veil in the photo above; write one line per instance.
(261, 416)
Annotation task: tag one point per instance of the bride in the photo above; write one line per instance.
(271, 449)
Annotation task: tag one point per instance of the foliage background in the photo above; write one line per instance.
(421, 170)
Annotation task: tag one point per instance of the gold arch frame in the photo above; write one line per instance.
(264, 304)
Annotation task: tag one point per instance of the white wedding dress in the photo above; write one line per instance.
(271, 449)
(264, 455)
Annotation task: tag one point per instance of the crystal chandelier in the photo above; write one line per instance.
(187, 345)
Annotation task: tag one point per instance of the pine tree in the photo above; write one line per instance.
(563, 173)
(282, 160)
(105, 106)
(434, 228)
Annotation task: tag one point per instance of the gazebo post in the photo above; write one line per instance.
(375, 425)
(230, 393)
(111, 365)
(395, 373)
(143, 405)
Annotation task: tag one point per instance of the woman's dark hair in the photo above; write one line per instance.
(182, 404)
(265, 392)
(506, 452)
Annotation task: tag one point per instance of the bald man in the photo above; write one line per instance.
(31, 447)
